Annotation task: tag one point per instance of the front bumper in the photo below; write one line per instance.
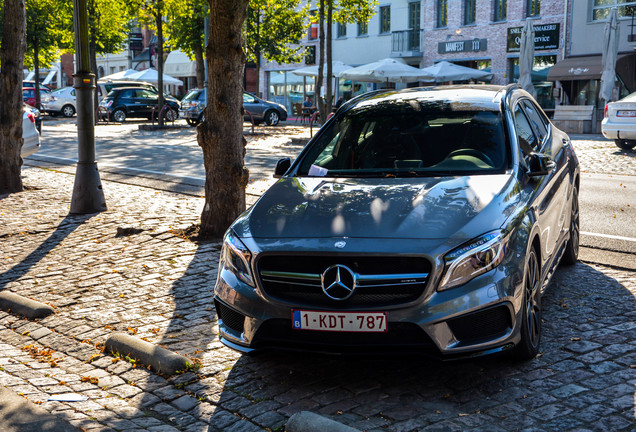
(481, 317)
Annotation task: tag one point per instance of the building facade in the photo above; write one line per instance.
(482, 34)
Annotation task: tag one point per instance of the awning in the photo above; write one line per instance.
(581, 68)
(179, 65)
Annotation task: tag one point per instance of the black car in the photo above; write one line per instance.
(124, 102)
(193, 104)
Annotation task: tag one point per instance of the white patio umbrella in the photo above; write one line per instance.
(526, 57)
(610, 53)
(151, 76)
(312, 71)
(121, 75)
(445, 71)
(388, 69)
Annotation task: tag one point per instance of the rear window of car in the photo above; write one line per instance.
(409, 138)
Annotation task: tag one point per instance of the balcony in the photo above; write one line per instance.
(407, 43)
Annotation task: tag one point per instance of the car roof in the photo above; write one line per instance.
(485, 96)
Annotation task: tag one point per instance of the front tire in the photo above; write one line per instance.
(571, 254)
(171, 115)
(272, 118)
(528, 346)
(625, 144)
(119, 116)
(68, 111)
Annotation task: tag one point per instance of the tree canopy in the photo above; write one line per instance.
(49, 31)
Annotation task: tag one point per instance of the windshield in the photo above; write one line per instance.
(193, 95)
(409, 138)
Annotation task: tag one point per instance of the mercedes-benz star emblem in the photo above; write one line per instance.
(338, 282)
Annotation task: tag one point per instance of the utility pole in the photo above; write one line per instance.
(88, 196)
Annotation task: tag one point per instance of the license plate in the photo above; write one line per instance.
(624, 113)
(374, 322)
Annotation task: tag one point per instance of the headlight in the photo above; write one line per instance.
(236, 258)
(474, 258)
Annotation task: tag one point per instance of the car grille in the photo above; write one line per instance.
(381, 281)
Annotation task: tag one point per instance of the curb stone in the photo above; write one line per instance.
(160, 359)
(19, 415)
(306, 421)
(28, 308)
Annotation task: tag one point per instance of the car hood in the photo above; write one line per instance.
(417, 208)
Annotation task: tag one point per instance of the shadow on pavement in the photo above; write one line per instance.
(69, 224)
(582, 378)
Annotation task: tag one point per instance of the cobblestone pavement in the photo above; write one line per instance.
(152, 283)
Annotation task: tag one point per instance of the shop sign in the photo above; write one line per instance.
(135, 41)
(462, 46)
(546, 37)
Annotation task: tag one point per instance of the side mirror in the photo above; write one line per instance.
(539, 165)
(281, 167)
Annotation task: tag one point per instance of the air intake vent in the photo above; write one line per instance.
(231, 319)
(483, 325)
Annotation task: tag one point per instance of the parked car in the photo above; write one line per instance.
(124, 102)
(28, 96)
(32, 85)
(427, 220)
(63, 102)
(193, 104)
(619, 123)
(30, 134)
(105, 87)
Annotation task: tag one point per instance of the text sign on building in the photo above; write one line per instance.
(462, 46)
(546, 37)
(135, 41)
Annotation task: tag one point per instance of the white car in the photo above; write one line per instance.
(619, 123)
(62, 102)
(30, 133)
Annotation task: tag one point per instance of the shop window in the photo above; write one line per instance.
(500, 10)
(533, 8)
(385, 19)
(310, 55)
(363, 29)
(469, 12)
(342, 30)
(442, 13)
(542, 86)
(601, 8)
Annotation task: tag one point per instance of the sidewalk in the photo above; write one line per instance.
(102, 277)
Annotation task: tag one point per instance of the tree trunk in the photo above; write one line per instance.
(92, 53)
(36, 70)
(221, 135)
(321, 62)
(258, 72)
(329, 97)
(159, 22)
(198, 58)
(11, 76)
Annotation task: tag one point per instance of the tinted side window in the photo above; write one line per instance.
(127, 94)
(536, 119)
(525, 135)
(248, 99)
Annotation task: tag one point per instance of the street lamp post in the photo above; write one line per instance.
(88, 196)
